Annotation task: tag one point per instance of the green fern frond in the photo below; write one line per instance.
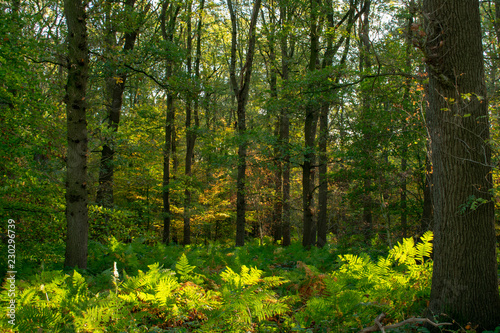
(247, 277)
(404, 252)
(77, 287)
(31, 317)
(245, 300)
(165, 288)
(28, 295)
(424, 247)
(352, 263)
(183, 267)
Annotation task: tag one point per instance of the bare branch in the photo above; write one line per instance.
(379, 327)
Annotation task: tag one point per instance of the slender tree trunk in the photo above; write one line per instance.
(331, 51)
(76, 164)
(115, 86)
(310, 125)
(323, 181)
(189, 134)
(190, 131)
(169, 11)
(426, 221)
(276, 227)
(464, 281)
(365, 64)
(241, 91)
(284, 135)
(406, 98)
(403, 195)
(166, 168)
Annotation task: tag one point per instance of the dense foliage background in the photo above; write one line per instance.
(357, 68)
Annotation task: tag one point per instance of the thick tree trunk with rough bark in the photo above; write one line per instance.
(76, 164)
(465, 281)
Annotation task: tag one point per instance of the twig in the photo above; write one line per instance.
(378, 326)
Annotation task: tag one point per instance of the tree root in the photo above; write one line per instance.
(379, 327)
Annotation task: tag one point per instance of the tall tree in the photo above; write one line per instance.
(365, 65)
(330, 52)
(284, 133)
(115, 86)
(464, 281)
(404, 162)
(76, 162)
(310, 126)
(270, 59)
(191, 113)
(241, 90)
(168, 19)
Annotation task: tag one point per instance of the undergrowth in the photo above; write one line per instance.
(139, 288)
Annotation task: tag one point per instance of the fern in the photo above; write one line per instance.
(102, 313)
(424, 248)
(164, 290)
(34, 316)
(360, 289)
(410, 254)
(404, 252)
(245, 298)
(183, 267)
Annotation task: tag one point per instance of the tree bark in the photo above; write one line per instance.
(241, 91)
(169, 11)
(284, 135)
(331, 51)
(404, 152)
(115, 86)
(310, 126)
(465, 281)
(365, 64)
(272, 73)
(427, 219)
(76, 164)
(190, 131)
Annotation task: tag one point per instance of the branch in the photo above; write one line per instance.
(335, 86)
(42, 61)
(157, 81)
(379, 327)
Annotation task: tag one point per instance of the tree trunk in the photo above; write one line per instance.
(167, 149)
(241, 91)
(284, 138)
(276, 227)
(191, 132)
(190, 138)
(115, 86)
(365, 64)
(406, 97)
(169, 11)
(323, 181)
(464, 281)
(427, 219)
(331, 51)
(310, 125)
(76, 164)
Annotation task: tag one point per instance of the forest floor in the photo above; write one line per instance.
(261, 287)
